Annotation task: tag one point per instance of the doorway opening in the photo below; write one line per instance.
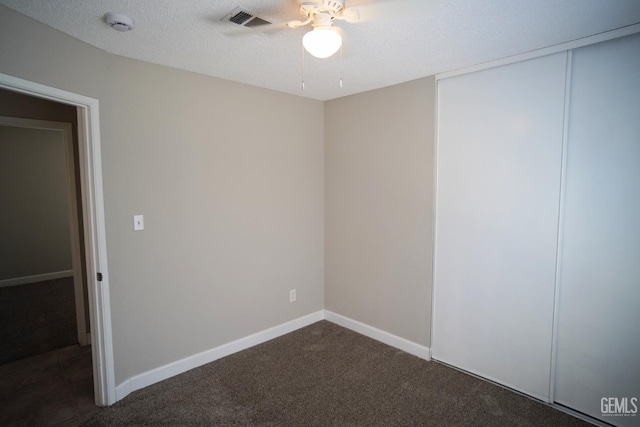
(41, 227)
(93, 227)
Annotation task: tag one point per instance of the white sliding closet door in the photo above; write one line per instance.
(598, 341)
(499, 154)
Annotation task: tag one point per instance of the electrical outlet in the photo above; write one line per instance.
(292, 295)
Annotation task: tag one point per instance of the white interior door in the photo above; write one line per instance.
(499, 153)
(598, 338)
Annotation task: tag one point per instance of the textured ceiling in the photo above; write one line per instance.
(396, 41)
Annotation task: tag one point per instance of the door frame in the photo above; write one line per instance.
(94, 227)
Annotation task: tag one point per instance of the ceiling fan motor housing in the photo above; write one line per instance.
(332, 7)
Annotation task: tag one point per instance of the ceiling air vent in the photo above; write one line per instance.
(245, 18)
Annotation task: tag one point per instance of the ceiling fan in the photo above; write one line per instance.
(323, 40)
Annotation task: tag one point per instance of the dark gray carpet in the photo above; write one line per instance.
(36, 318)
(325, 375)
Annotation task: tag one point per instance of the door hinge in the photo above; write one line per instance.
(99, 277)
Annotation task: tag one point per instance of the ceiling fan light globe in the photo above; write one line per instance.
(322, 42)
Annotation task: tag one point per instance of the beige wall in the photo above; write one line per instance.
(230, 179)
(34, 217)
(378, 208)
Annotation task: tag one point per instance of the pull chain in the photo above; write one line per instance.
(341, 68)
(302, 67)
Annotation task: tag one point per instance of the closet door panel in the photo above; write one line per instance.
(498, 182)
(598, 344)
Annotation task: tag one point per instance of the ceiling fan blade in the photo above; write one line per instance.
(393, 9)
(269, 29)
(350, 15)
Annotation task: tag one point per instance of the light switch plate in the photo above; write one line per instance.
(138, 222)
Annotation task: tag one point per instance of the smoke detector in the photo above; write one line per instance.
(119, 22)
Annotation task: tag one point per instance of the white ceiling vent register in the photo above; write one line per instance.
(244, 18)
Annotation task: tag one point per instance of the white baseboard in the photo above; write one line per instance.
(123, 389)
(169, 370)
(35, 278)
(379, 335)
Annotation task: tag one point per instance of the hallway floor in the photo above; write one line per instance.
(36, 318)
(50, 389)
